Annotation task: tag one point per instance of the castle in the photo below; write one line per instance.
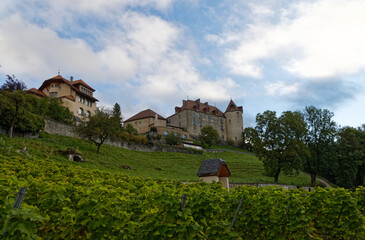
(190, 118)
(187, 121)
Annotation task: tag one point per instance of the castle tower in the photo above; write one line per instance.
(234, 123)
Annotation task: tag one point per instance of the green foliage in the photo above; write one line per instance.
(172, 139)
(130, 129)
(15, 112)
(248, 135)
(278, 142)
(64, 201)
(117, 115)
(99, 127)
(13, 84)
(153, 129)
(58, 112)
(350, 167)
(209, 136)
(320, 140)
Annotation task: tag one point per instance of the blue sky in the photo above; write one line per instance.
(267, 55)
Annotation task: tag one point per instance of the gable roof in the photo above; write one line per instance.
(60, 79)
(36, 92)
(213, 167)
(148, 113)
(232, 106)
(70, 97)
(199, 107)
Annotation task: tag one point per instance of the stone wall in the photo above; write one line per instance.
(54, 127)
(17, 133)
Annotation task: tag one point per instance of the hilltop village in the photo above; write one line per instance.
(187, 120)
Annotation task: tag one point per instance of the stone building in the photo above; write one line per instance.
(144, 120)
(194, 115)
(75, 95)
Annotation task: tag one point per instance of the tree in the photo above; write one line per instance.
(100, 126)
(248, 135)
(319, 139)
(208, 135)
(350, 147)
(117, 115)
(278, 142)
(15, 112)
(172, 139)
(130, 129)
(13, 84)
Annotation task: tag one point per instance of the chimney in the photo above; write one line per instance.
(71, 81)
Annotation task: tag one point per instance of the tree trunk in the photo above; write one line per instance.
(276, 177)
(99, 145)
(10, 131)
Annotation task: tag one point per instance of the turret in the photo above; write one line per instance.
(234, 123)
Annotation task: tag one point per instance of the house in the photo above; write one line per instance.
(194, 115)
(144, 120)
(214, 170)
(75, 95)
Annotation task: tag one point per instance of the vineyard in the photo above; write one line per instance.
(70, 202)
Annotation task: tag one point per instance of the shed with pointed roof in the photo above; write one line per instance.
(214, 170)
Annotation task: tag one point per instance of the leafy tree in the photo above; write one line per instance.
(172, 139)
(58, 112)
(130, 129)
(248, 135)
(278, 142)
(208, 135)
(319, 139)
(350, 157)
(15, 112)
(13, 84)
(100, 126)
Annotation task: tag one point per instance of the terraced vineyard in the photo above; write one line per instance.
(65, 201)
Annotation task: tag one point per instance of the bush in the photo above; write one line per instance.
(173, 139)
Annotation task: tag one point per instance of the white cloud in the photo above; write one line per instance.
(324, 38)
(282, 89)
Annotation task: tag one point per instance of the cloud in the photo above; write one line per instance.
(321, 92)
(317, 39)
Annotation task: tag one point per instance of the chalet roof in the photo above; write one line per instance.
(232, 106)
(213, 167)
(199, 107)
(148, 113)
(36, 92)
(60, 79)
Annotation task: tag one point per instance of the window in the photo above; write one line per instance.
(80, 111)
(88, 114)
(209, 119)
(53, 94)
(89, 103)
(179, 116)
(200, 116)
(183, 136)
(194, 122)
(179, 124)
(223, 137)
(193, 114)
(229, 120)
(166, 133)
(81, 100)
(200, 123)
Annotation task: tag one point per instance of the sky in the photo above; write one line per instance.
(273, 55)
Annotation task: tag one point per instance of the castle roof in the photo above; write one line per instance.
(199, 107)
(60, 79)
(233, 107)
(214, 167)
(148, 113)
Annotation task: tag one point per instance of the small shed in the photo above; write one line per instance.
(214, 170)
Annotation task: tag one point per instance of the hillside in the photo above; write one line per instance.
(171, 166)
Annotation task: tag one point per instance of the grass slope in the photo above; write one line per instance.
(244, 168)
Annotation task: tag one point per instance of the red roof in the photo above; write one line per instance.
(60, 79)
(145, 114)
(233, 106)
(77, 82)
(199, 107)
(36, 92)
(69, 97)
